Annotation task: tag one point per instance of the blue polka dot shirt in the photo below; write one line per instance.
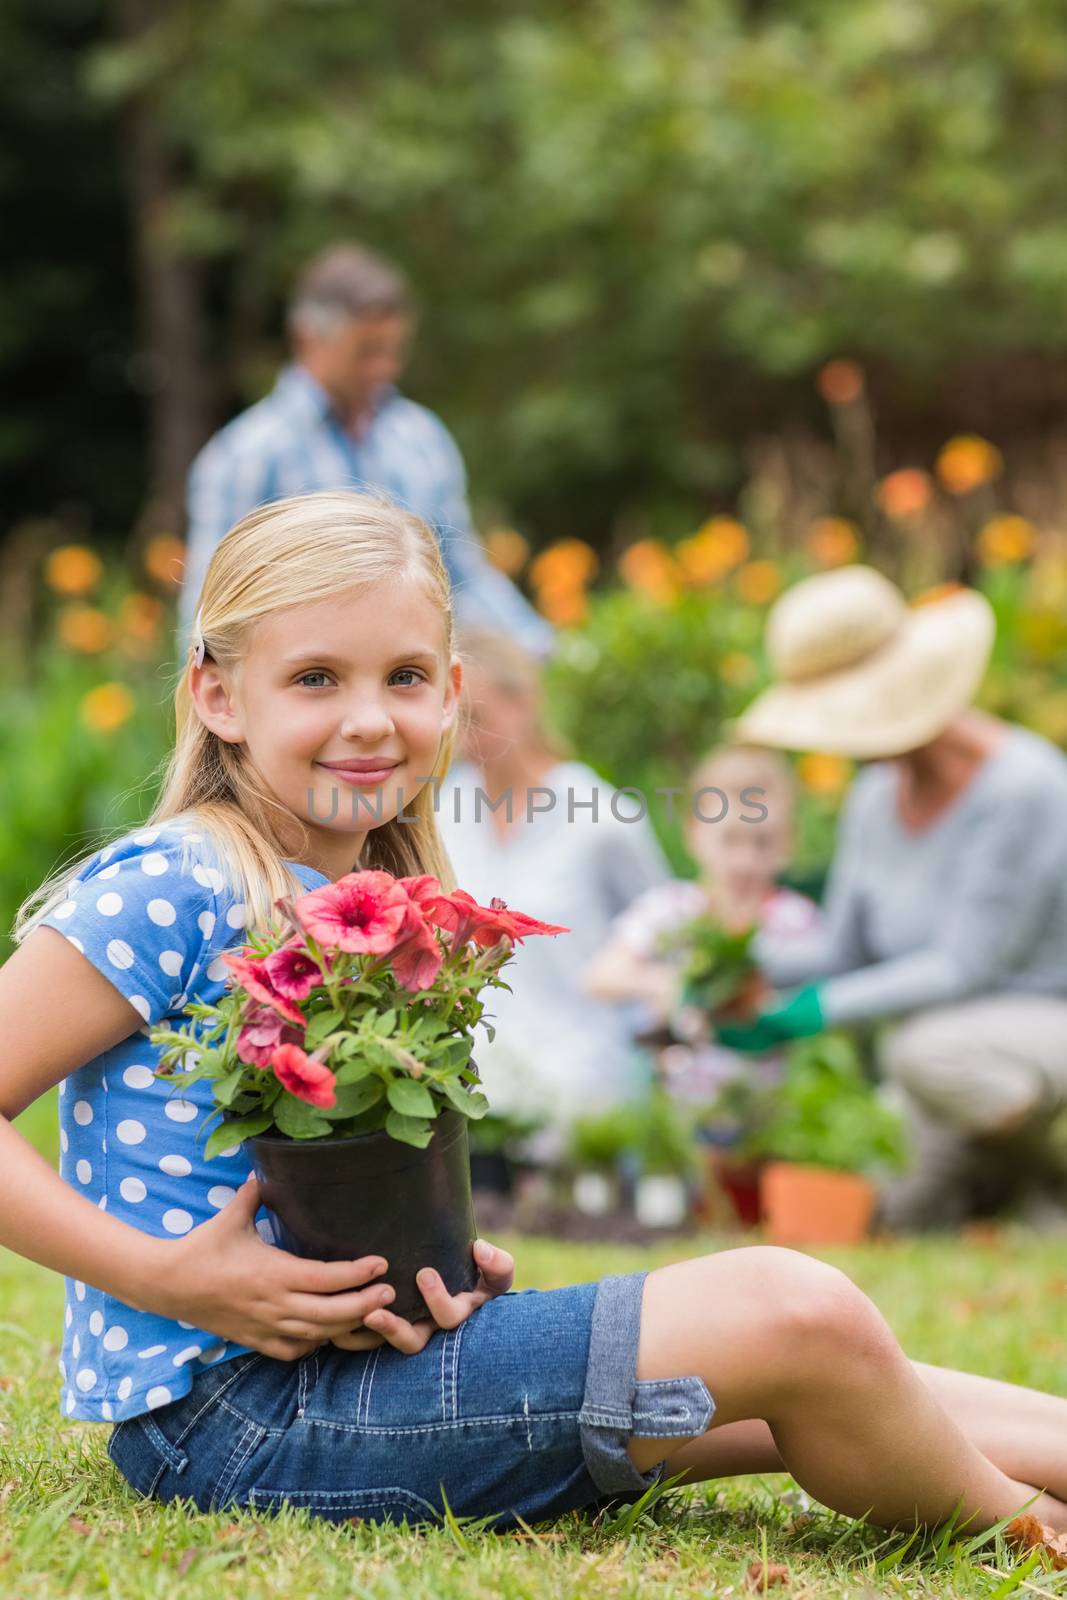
(153, 914)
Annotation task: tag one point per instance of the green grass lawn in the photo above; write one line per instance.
(69, 1525)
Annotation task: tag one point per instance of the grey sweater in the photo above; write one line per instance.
(973, 904)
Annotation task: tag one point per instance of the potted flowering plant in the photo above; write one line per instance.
(341, 1055)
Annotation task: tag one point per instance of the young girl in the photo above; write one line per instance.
(238, 1375)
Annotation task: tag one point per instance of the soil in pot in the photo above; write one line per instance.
(814, 1205)
(339, 1199)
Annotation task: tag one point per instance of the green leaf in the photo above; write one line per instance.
(385, 1024)
(354, 1068)
(325, 1022)
(409, 1130)
(411, 1099)
(355, 1098)
(299, 1120)
(470, 1102)
(233, 1131)
(225, 1089)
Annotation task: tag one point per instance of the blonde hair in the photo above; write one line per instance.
(289, 553)
(736, 767)
(512, 670)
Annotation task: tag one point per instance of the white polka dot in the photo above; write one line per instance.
(69, 1403)
(186, 1325)
(105, 1410)
(206, 923)
(230, 1150)
(85, 1379)
(62, 1087)
(103, 1147)
(220, 1195)
(84, 1171)
(237, 916)
(141, 1006)
(96, 1323)
(109, 905)
(161, 912)
(110, 872)
(175, 1166)
(187, 1355)
(152, 1350)
(138, 1077)
(101, 1204)
(133, 1190)
(117, 1338)
(69, 1316)
(62, 1369)
(177, 1221)
(76, 1346)
(107, 852)
(154, 864)
(76, 943)
(264, 1229)
(79, 1290)
(146, 837)
(159, 1396)
(129, 1131)
(67, 909)
(83, 1113)
(218, 971)
(171, 962)
(125, 1388)
(180, 1110)
(211, 1355)
(64, 1142)
(208, 877)
(120, 954)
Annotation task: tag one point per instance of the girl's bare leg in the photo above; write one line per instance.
(780, 1337)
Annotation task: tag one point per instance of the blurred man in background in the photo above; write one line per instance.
(335, 419)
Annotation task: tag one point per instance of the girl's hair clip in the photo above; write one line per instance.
(199, 646)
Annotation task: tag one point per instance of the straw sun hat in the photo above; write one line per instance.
(860, 672)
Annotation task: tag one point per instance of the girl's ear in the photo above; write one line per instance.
(214, 702)
(453, 693)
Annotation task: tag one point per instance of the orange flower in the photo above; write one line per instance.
(564, 604)
(164, 559)
(840, 382)
(823, 774)
(758, 582)
(85, 629)
(736, 668)
(1006, 539)
(568, 561)
(107, 707)
(966, 462)
(507, 550)
(832, 541)
(73, 569)
(713, 551)
(904, 493)
(648, 568)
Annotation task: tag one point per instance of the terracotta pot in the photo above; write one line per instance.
(814, 1205)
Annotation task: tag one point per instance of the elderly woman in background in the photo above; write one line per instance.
(522, 821)
(947, 899)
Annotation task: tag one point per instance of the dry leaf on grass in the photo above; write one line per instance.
(76, 1525)
(1026, 1533)
(764, 1575)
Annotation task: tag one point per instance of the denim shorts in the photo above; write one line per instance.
(524, 1410)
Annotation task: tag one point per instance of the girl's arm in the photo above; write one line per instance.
(220, 1276)
(615, 973)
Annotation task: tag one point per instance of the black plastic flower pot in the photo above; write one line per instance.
(338, 1199)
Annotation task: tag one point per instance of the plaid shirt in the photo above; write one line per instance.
(293, 442)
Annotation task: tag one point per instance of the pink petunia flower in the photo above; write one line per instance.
(264, 1029)
(303, 1076)
(361, 913)
(417, 958)
(460, 914)
(254, 977)
(293, 971)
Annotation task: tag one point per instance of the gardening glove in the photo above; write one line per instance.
(793, 1016)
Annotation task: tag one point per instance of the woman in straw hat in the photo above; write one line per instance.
(947, 900)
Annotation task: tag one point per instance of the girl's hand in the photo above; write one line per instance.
(496, 1275)
(223, 1277)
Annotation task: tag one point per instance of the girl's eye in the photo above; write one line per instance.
(410, 673)
(315, 674)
